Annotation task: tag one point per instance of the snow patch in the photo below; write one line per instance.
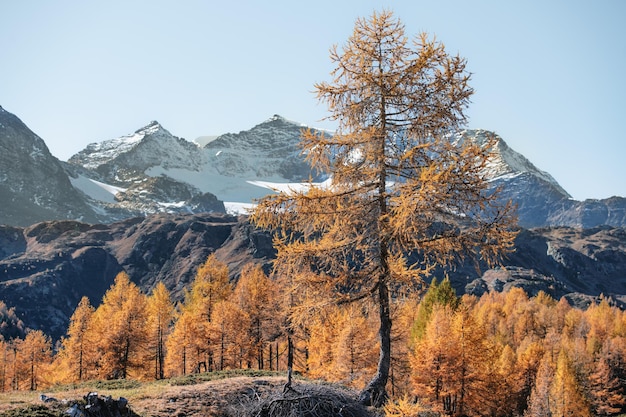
(236, 209)
(95, 189)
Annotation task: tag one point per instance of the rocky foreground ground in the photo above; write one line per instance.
(235, 396)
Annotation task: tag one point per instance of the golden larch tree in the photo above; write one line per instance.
(355, 354)
(34, 356)
(191, 338)
(161, 311)
(178, 346)
(566, 394)
(255, 295)
(230, 336)
(5, 364)
(76, 358)
(434, 361)
(120, 323)
(399, 182)
(608, 396)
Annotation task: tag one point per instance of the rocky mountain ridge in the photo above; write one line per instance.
(152, 171)
(46, 268)
(33, 184)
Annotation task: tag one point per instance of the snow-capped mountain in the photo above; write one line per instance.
(153, 171)
(118, 160)
(540, 199)
(113, 174)
(33, 184)
(226, 167)
(535, 192)
(505, 163)
(274, 143)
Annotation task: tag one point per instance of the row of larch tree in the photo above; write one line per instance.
(503, 354)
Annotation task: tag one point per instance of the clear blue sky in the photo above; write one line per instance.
(549, 76)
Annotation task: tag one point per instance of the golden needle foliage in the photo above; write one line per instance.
(399, 184)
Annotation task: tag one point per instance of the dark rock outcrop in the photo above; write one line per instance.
(46, 268)
(579, 264)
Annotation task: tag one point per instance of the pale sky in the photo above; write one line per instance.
(549, 75)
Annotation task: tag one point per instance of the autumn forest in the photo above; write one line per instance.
(450, 354)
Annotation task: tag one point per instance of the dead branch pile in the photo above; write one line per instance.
(309, 401)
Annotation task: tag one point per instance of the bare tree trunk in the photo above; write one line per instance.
(271, 357)
(375, 393)
(290, 349)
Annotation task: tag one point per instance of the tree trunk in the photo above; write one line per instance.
(375, 393)
(290, 349)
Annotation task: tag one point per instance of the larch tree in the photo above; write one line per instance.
(192, 330)
(229, 336)
(5, 364)
(35, 353)
(211, 285)
(540, 400)
(254, 293)
(120, 322)
(607, 388)
(160, 319)
(355, 354)
(179, 344)
(435, 362)
(567, 398)
(76, 356)
(399, 183)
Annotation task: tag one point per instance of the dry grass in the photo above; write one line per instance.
(213, 394)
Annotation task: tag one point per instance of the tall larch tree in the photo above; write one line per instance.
(178, 346)
(160, 320)
(76, 359)
(254, 293)
(608, 396)
(435, 362)
(35, 354)
(120, 321)
(230, 338)
(399, 183)
(566, 392)
(211, 284)
(355, 354)
(192, 331)
(5, 364)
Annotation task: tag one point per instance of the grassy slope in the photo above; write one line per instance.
(209, 394)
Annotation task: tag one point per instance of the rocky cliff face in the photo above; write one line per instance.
(268, 150)
(33, 183)
(579, 264)
(46, 268)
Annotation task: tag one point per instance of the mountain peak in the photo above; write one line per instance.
(280, 121)
(506, 162)
(151, 128)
